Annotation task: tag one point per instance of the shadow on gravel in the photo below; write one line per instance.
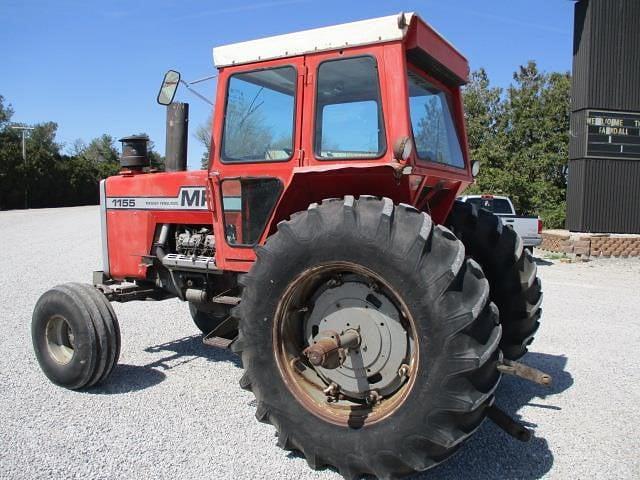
(491, 453)
(131, 378)
(190, 347)
(542, 261)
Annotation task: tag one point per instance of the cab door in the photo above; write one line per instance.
(344, 107)
(256, 133)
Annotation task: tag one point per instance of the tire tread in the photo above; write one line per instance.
(510, 270)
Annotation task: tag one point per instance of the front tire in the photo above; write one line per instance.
(75, 335)
(510, 269)
(441, 301)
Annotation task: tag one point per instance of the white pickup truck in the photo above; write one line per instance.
(529, 228)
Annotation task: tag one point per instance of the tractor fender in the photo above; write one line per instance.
(311, 184)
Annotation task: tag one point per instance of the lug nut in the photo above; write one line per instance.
(332, 392)
(372, 397)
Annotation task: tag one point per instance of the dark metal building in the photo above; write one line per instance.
(603, 192)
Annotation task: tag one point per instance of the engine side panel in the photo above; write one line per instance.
(136, 204)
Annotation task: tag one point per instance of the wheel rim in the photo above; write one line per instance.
(375, 373)
(60, 339)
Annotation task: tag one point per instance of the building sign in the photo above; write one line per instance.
(613, 135)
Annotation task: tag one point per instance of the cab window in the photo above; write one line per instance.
(434, 132)
(348, 120)
(259, 116)
(247, 204)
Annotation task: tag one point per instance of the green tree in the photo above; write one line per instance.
(521, 140)
(49, 177)
(483, 111)
(536, 133)
(11, 165)
(43, 176)
(100, 149)
(6, 112)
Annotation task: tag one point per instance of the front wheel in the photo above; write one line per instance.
(367, 338)
(75, 335)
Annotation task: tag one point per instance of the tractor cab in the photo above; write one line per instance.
(370, 107)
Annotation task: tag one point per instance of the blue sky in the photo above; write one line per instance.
(95, 67)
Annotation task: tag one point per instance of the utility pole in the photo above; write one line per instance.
(24, 158)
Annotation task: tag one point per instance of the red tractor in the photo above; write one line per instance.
(374, 314)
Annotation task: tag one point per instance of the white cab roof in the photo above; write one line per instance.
(364, 32)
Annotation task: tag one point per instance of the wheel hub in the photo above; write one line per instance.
(375, 363)
(60, 339)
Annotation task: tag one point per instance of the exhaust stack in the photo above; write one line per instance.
(177, 137)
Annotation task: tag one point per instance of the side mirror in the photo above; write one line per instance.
(475, 168)
(168, 87)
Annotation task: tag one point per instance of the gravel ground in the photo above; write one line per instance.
(173, 409)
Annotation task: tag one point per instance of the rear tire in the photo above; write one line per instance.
(445, 296)
(510, 269)
(75, 335)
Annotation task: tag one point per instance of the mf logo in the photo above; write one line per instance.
(193, 197)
